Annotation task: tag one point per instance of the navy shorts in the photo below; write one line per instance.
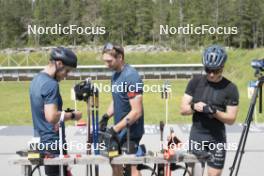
(216, 149)
(134, 143)
(54, 170)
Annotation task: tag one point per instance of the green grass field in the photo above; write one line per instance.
(15, 108)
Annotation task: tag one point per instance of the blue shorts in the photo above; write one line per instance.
(134, 143)
(214, 148)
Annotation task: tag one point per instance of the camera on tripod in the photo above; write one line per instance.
(258, 65)
(83, 90)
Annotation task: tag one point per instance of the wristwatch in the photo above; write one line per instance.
(192, 106)
(72, 115)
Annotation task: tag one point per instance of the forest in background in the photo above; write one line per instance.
(132, 22)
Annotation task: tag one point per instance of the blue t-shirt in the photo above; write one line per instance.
(125, 84)
(44, 90)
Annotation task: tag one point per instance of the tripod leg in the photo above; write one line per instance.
(94, 132)
(89, 170)
(243, 148)
(96, 127)
(238, 150)
(242, 142)
(61, 141)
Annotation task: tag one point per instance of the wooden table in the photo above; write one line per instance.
(158, 158)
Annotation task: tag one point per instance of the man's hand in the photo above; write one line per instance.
(56, 127)
(209, 109)
(103, 122)
(199, 106)
(113, 133)
(204, 108)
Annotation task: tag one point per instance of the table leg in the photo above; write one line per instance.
(26, 170)
(196, 169)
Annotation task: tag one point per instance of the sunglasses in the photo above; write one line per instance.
(110, 46)
(208, 71)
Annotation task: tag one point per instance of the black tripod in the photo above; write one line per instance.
(242, 142)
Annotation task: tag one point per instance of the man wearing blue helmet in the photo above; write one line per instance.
(46, 102)
(212, 100)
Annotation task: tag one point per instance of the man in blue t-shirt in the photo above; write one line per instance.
(127, 100)
(46, 102)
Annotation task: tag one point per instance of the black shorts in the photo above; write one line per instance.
(216, 149)
(54, 170)
(134, 143)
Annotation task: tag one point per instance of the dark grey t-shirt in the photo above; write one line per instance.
(220, 95)
(125, 84)
(44, 90)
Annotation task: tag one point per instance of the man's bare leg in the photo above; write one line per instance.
(117, 170)
(214, 172)
(134, 171)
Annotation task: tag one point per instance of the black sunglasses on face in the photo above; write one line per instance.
(207, 70)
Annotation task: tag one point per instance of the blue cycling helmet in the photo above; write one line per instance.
(65, 55)
(214, 57)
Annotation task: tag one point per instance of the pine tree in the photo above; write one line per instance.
(144, 19)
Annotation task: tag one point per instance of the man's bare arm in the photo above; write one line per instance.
(185, 108)
(52, 114)
(110, 110)
(229, 116)
(136, 104)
